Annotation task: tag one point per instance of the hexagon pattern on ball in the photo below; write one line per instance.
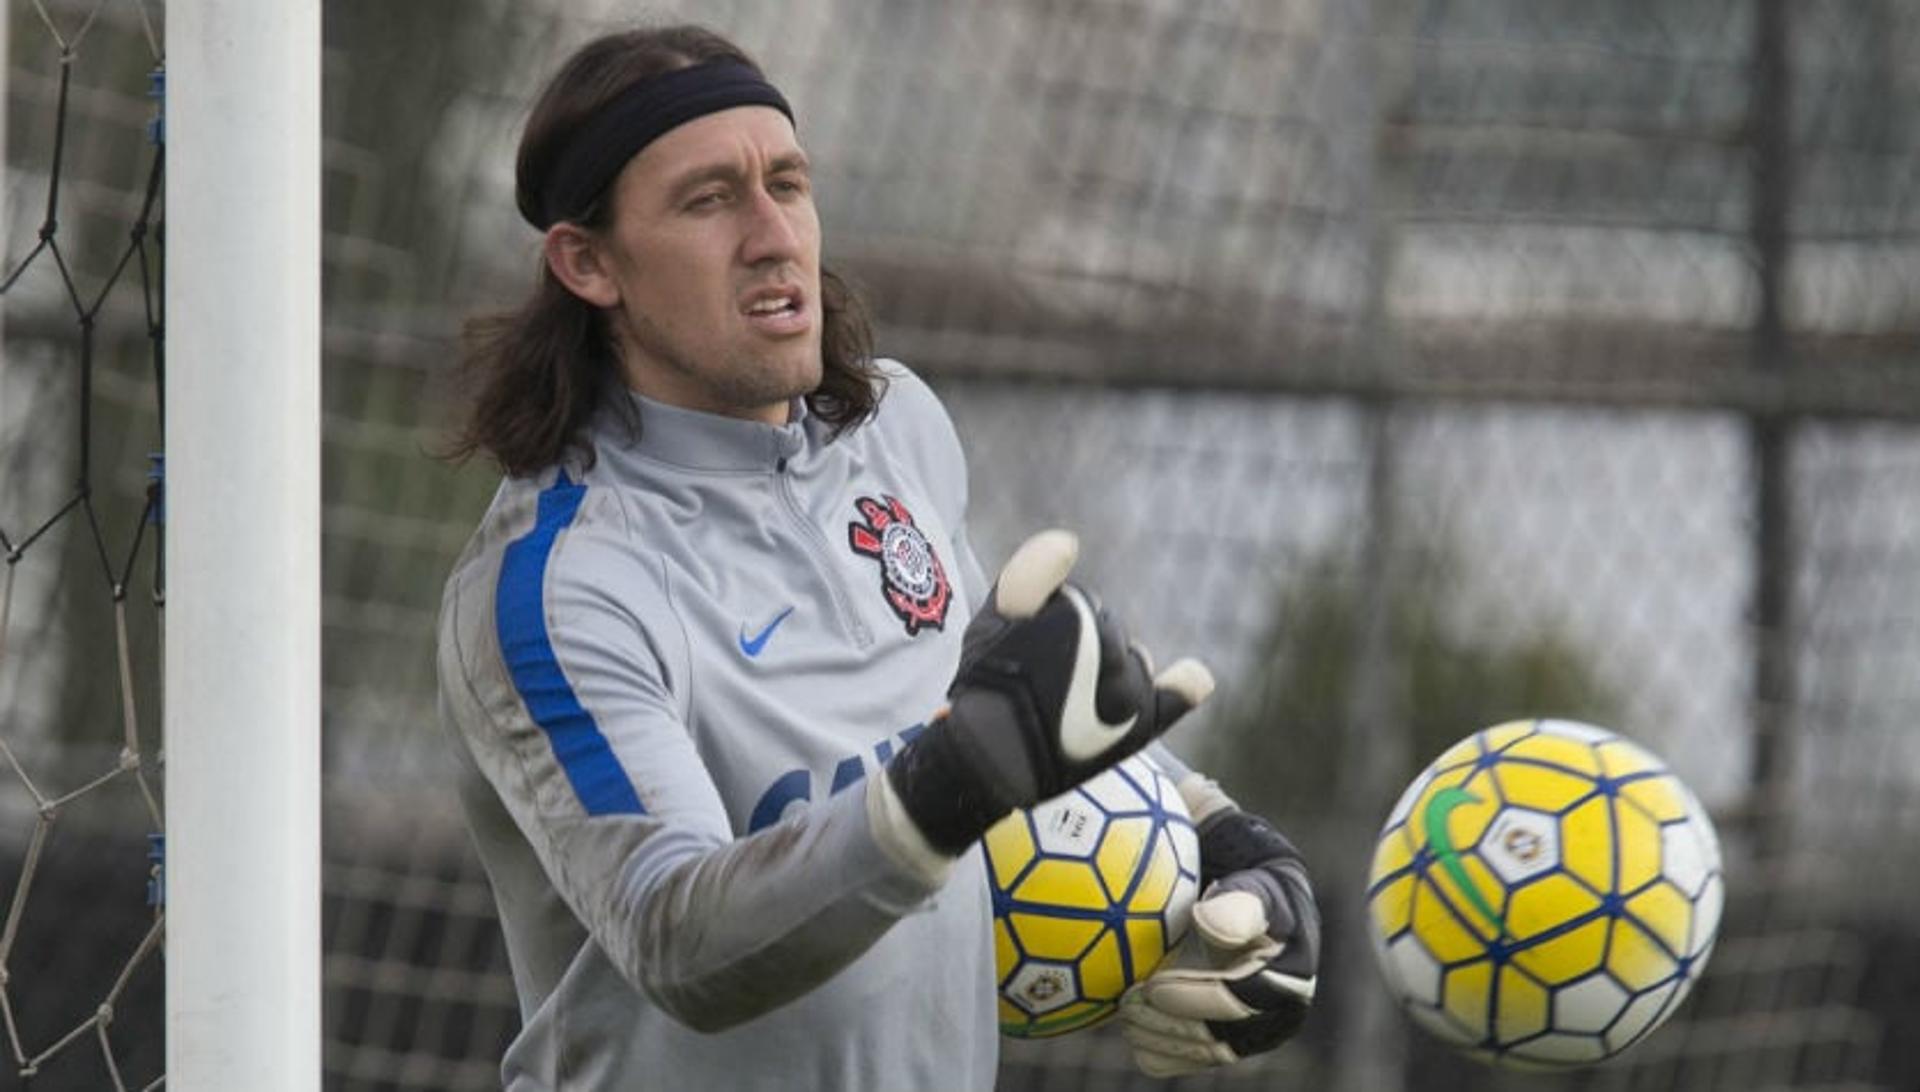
(1545, 894)
(1090, 891)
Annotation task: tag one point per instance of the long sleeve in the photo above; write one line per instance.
(554, 679)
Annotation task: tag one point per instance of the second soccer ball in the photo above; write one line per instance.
(1545, 894)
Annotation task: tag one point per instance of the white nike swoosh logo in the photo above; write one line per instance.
(1083, 734)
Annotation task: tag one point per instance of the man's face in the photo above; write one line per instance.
(714, 253)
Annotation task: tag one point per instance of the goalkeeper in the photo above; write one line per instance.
(693, 654)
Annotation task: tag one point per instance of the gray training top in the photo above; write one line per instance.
(675, 676)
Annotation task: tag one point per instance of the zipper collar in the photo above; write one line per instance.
(702, 441)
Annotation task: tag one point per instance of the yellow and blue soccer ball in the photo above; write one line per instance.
(1090, 890)
(1544, 894)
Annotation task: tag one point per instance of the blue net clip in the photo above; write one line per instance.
(157, 91)
(157, 870)
(157, 486)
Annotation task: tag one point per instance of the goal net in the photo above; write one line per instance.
(81, 848)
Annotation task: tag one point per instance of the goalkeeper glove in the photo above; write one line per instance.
(1048, 693)
(1261, 929)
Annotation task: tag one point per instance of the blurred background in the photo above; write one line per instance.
(1420, 364)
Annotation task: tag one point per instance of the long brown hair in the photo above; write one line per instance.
(540, 372)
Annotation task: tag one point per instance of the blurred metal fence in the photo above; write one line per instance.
(1420, 363)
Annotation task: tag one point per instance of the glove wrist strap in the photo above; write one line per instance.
(940, 791)
(1234, 840)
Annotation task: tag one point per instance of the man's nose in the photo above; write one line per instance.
(771, 234)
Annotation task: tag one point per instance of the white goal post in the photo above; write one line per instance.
(242, 631)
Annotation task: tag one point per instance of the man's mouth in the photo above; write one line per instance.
(774, 305)
(777, 311)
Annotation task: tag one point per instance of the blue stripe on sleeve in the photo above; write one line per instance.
(520, 618)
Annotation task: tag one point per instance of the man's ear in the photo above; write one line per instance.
(576, 259)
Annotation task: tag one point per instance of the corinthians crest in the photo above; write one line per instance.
(911, 576)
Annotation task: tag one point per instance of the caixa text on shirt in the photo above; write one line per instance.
(796, 785)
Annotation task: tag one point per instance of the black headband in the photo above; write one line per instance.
(636, 118)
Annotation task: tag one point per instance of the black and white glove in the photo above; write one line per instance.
(1261, 930)
(1049, 692)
